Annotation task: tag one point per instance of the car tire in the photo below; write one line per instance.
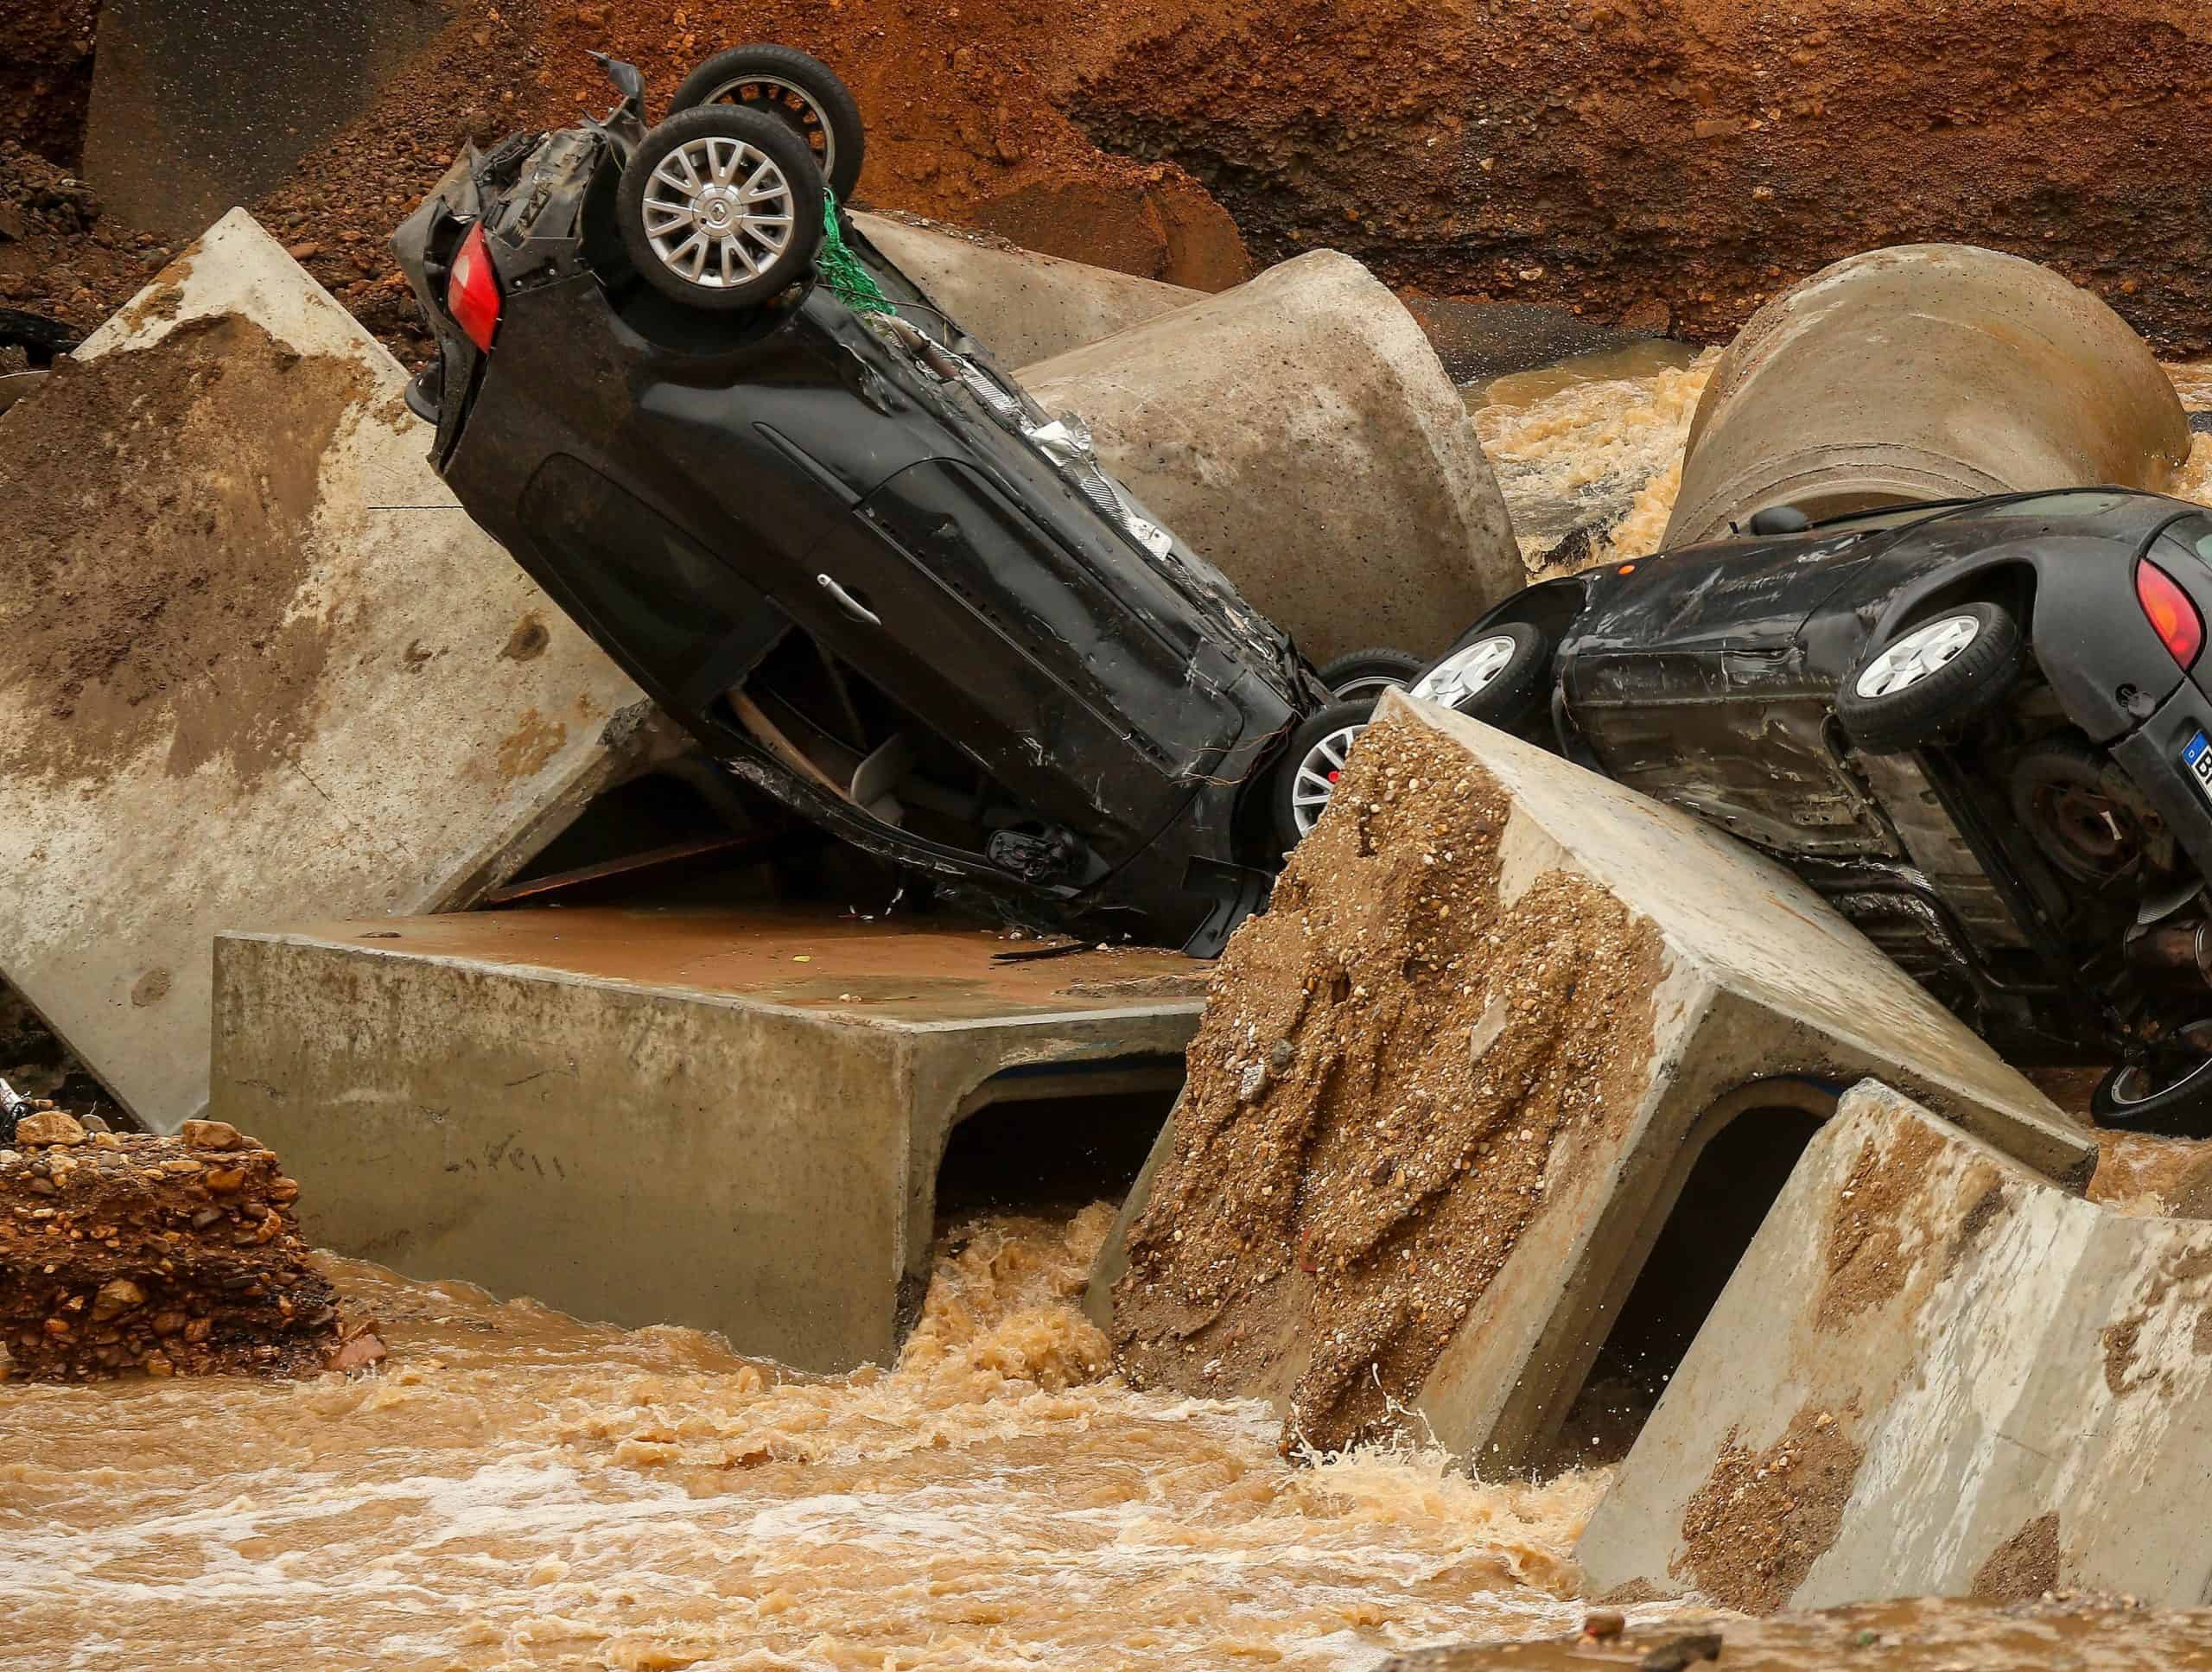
(1929, 679)
(1501, 676)
(804, 93)
(1366, 674)
(663, 210)
(1307, 774)
(2129, 1098)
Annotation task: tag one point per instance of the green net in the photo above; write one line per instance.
(841, 270)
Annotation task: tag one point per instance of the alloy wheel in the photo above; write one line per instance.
(1919, 653)
(718, 211)
(1318, 774)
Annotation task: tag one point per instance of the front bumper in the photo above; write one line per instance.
(2151, 755)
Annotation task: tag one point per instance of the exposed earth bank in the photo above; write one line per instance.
(1671, 161)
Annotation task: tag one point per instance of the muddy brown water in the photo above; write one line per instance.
(515, 1489)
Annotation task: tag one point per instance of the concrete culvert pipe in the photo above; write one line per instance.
(1298, 431)
(1020, 305)
(1928, 372)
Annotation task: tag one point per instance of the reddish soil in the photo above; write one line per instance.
(46, 75)
(1641, 160)
(161, 1257)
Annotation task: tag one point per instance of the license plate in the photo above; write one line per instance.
(2197, 755)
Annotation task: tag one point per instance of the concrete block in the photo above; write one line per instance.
(730, 1122)
(1299, 432)
(1022, 306)
(1933, 1373)
(261, 665)
(1927, 372)
(1451, 1087)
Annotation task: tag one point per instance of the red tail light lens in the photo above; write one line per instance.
(473, 291)
(2173, 618)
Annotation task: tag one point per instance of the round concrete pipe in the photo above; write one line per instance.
(1930, 372)
(1020, 305)
(1299, 432)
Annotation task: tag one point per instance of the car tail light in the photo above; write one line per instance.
(2173, 618)
(473, 291)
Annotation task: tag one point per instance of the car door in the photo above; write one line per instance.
(979, 620)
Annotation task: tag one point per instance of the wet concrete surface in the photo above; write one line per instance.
(819, 958)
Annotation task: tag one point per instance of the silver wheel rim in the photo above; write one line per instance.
(811, 117)
(718, 211)
(1466, 673)
(1919, 653)
(1316, 780)
(2133, 1084)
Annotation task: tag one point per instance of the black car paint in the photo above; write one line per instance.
(794, 469)
(1706, 678)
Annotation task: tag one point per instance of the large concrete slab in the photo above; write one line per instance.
(261, 666)
(1298, 431)
(1022, 306)
(734, 1121)
(1933, 1373)
(1452, 1085)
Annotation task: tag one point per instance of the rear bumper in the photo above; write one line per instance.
(2151, 756)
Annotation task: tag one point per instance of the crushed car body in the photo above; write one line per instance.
(830, 535)
(1982, 728)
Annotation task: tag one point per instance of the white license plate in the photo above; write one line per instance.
(2197, 755)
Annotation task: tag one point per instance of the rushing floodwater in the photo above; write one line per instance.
(517, 1490)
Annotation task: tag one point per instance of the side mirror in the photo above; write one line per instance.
(1778, 519)
(626, 80)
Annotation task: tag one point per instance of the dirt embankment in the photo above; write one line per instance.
(1651, 161)
(1690, 154)
(1395, 1072)
(46, 75)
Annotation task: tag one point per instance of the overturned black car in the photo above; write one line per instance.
(816, 522)
(1983, 729)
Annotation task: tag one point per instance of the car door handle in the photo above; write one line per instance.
(850, 605)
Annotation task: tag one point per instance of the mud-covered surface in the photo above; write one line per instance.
(129, 1254)
(1761, 1520)
(1394, 1071)
(2085, 1633)
(1866, 1253)
(2023, 1567)
(151, 570)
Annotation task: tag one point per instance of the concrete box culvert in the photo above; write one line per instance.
(1449, 1092)
(1299, 432)
(1927, 372)
(1933, 1374)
